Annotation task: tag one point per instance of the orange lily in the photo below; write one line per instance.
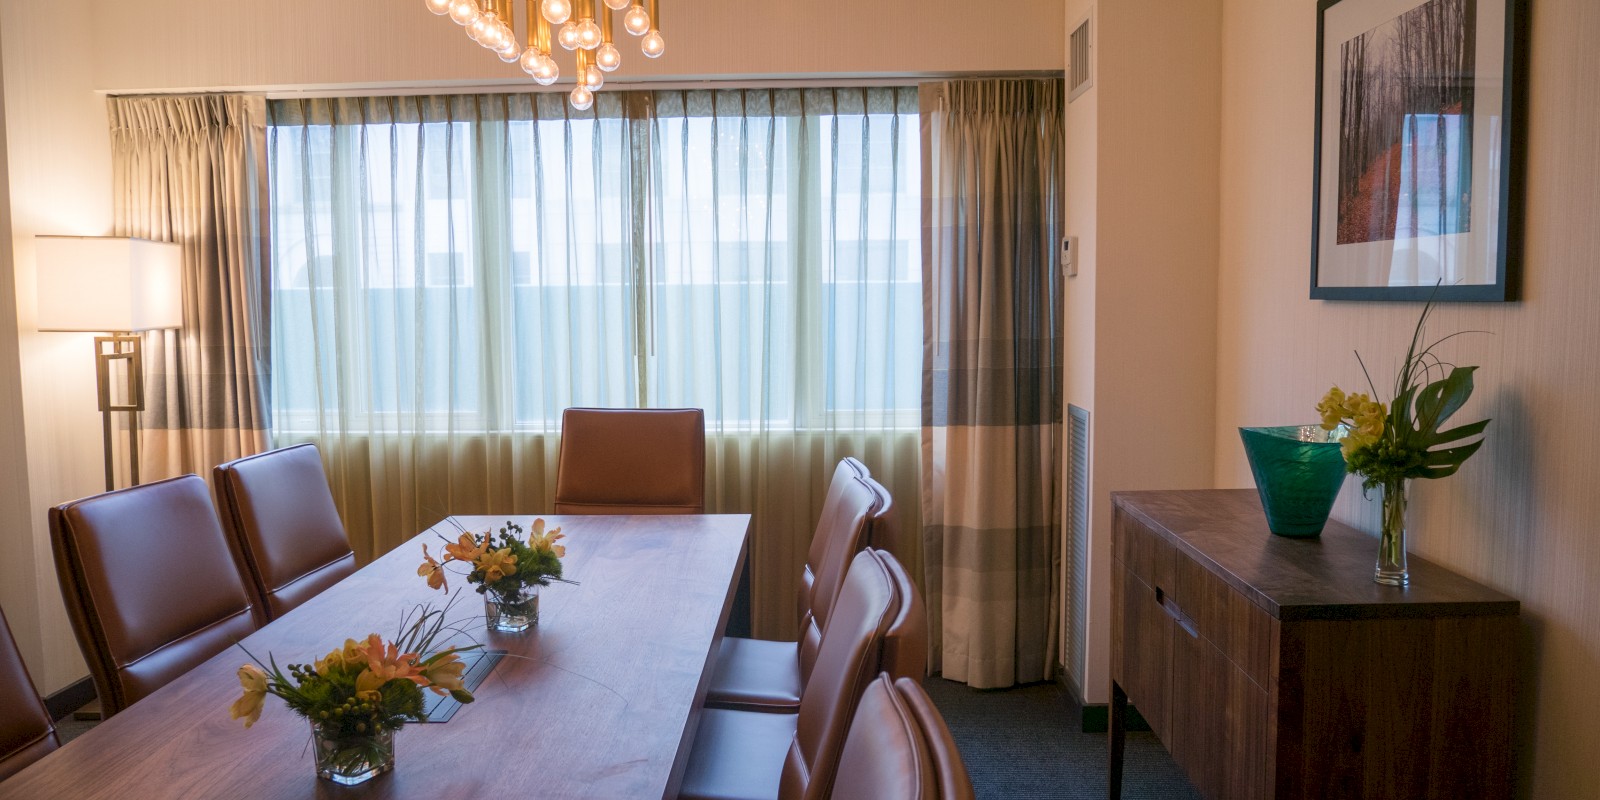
(386, 663)
(248, 707)
(540, 540)
(467, 549)
(433, 571)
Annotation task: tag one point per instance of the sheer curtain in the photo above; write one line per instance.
(453, 272)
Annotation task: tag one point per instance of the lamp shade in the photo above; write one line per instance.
(102, 283)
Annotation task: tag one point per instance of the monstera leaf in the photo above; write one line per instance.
(1431, 406)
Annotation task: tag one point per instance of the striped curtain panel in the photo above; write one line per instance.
(192, 170)
(992, 351)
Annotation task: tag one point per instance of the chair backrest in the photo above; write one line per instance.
(280, 511)
(26, 731)
(632, 461)
(152, 585)
(894, 752)
(954, 783)
(905, 645)
(851, 649)
(854, 505)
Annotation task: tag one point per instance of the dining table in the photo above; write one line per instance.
(600, 698)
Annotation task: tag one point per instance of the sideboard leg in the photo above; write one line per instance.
(1116, 727)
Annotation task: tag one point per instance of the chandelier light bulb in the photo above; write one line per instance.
(582, 98)
(588, 34)
(568, 37)
(440, 7)
(636, 21)
(594, 78)
(528, 60)
(608, 57)
(482, 30)
(617, 5)
(557, 11)
(653, 45)
(546, 71)
(463, 12)
(509, 52)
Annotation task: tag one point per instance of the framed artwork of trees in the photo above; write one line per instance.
(1417, 149)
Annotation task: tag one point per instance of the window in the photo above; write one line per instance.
(483, 262)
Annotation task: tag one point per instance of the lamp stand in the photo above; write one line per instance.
(120, 347)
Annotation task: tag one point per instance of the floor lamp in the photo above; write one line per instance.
(117, 287)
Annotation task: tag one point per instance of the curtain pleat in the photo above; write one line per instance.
(453, 272)
(991, 405)
(191, 169)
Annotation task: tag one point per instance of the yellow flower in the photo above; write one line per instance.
(1332, 408)
(497, 564)
(540, 540)
(349, 657)
(248, 707)
(467, 549)
(445, 673)
(433, 571)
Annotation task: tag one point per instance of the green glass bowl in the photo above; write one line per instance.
(1299, 471)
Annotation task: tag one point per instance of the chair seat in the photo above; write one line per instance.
(756, 675)
(738, 755)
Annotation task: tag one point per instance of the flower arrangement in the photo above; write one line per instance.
(1390, 444)
(504, 568)
(359, 694)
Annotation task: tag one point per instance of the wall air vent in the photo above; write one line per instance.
(1077, 550)
(1080, 69)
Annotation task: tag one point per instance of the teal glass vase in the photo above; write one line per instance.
(1299, 471)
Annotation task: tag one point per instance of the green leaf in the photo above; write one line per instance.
(462, 696)
(1459, 433)
(1452, 456)
(1444, 397)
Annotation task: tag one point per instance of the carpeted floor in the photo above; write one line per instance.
(1021, 743)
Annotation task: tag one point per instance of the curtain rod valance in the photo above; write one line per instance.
(730, 103)
(1010, 96)
(184, 115)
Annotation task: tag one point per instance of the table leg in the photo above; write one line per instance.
(1116, 727)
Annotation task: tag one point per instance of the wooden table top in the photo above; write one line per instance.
(1323, 577)
(600, 699)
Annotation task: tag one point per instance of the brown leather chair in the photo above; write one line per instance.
(26, 731)
(899, 748)
(632, 461)
(954, 783)
(152, 585)
(281, 513)
(762, 675)
(794, 756)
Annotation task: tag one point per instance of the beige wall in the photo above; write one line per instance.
(18, 585)
(58, 155)
(153, 44)
(1142, 311)
(1523, 514)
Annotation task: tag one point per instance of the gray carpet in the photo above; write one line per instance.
(1021, 743)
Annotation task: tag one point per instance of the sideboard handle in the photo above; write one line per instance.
(1184, 620)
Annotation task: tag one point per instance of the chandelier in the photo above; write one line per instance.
(586, 29)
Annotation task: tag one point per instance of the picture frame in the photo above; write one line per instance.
(1416, 188)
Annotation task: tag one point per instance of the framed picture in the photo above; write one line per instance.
(1416, 186)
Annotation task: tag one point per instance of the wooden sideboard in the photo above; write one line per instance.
(1276, 668)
